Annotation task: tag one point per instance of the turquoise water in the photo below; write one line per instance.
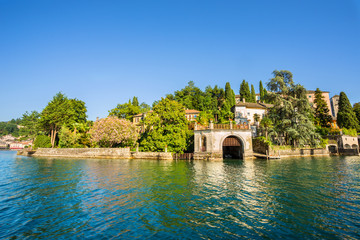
(303, 198)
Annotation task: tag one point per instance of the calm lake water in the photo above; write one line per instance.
(303, 198)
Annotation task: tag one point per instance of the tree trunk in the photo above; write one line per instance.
(52, 137)
(266, 134)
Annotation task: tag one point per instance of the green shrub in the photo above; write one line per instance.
(42, 141)
(324, 142)
(350, 132)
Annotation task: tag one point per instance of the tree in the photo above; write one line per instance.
(9, 128)
(346, 117)
(253, 94)
(266, 124)
(113, 132)
(167, 127)
(291, 113)
(190, 96)
(322, 116)
(245, 91)
(135, 101)
(29, 121)
(356, 110)
(61, 111)
(225, 113)
(144, 107)
(229, 94)
(261, 91)
(67, 138)
(126, 110)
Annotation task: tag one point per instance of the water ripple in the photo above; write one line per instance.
(307, 198)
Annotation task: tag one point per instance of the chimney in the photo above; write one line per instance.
(243, 100)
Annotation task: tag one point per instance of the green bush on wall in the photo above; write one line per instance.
(42, 141)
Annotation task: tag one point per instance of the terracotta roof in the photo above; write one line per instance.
(253, 105)
(189, 111)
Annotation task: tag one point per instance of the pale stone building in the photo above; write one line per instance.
(348, 142)
(221, 141)
(245, 112)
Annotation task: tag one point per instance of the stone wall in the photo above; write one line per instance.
(121, 153)
(84, 152)
(299, 152)
(259, 146)
(152, 155)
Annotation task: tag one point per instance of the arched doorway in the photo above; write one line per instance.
(232, 148)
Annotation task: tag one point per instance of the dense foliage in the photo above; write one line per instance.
(42, 141)
(346, 117)
(356, 109)
(129, 109)
(114, 132)
(59, 112)
(245, 91)
(292, 113)
(322, 116)
(216, 101)
(166, 127)
(9, 128)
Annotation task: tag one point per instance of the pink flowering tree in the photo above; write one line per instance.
(114, 132)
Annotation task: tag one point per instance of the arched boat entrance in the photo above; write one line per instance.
(232, 148)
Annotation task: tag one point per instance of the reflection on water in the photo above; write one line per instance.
(102, 199)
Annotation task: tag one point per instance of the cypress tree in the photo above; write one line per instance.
(229, 95)
(357, 111)
(265, 96)
(135, 101)
(346, 117)
(261, 89)
(247, 92)
(253, 94)
(322, 116)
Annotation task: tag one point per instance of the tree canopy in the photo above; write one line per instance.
(129, 109)
(322, 116)
(245, 91)
(167, 127)
(292, 113)
(114, 132)
(346, 117)
(61, 111)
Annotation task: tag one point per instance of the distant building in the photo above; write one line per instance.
(3, 145)
(335, 105)
(20, 145)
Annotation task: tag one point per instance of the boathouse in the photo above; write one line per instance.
(222, 141)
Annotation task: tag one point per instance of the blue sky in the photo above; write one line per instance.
(105, 52)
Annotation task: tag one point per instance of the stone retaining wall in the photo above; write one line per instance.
(121, 153)
(83, 152)
(299, 152)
